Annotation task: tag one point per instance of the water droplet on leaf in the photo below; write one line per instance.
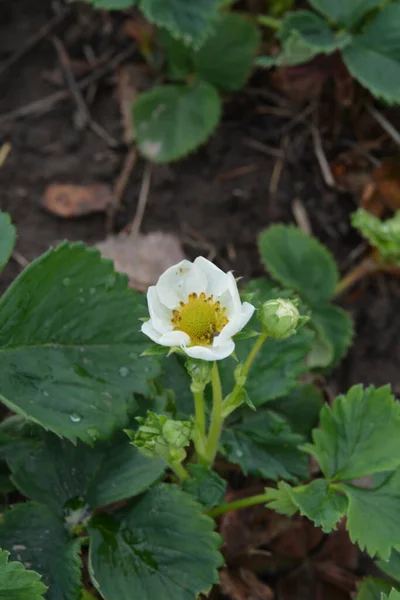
(75, 418)
(124, 372)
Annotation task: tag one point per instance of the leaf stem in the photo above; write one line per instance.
(238, 505)
(180, 470)
(231, 400)
(216, 416)
(200, 417)
(364, 268)
(269, 21)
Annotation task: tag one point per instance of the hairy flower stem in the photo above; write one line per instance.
(232, 399)
(216, 417)
(199, 436)
(180, 470)
(237, 505)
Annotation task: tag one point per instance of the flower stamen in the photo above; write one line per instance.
(201, 318)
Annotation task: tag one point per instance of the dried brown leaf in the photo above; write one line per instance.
(143, 257)
(244, 585)
(68, 200)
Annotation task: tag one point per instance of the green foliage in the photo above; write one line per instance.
(374, 56)
(264, 445)
(299, 262)
(160, 436)
(383, 235)
(377, 534)
(163, 547)
(226, 58)
(334, 334)
(301, 408)
(38, 538)
(17, 583)
(391, 566)
(7, 238)
(316, 501)
(172, 120)
(344, 13)
(70, 344)
(275, 370)
(205, 485)
(189, 21)
(359, 435)
(373, 589)
(59, 472)
(112, 4)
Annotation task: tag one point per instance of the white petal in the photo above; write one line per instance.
(235, 324)
(174, 338)
(211, 352)
(195, 281)
(216, 278)
(234, 292)
(148, 329)
(160, 315)
(170, 286)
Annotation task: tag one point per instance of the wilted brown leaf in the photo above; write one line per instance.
(68, 200)
(143, 257)
(244, 585)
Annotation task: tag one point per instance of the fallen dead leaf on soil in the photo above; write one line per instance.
(143, 257)
(68, 200)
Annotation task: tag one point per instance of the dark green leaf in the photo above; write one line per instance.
(335, 329)
(173, 120)
(70, 344)
(300, 408)
(39, 539)
(226, 58)
(299, 262)
(312, 31)
(391, 566)
(60, 471)
(164, 547)
(372, 589)
(265, 446)
(276, 369)
(344, 12)
(179, 57)
(359, 435)
(373, 516)
(373, 57)
(7, 238)
(16, 583)
(189, 21)
(206, 486)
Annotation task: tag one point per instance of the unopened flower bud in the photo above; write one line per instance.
(200, 373)
(160, 436)
(280, 318)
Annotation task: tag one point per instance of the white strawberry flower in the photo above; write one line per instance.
(196, 306)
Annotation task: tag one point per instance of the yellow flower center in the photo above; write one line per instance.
(201, 318)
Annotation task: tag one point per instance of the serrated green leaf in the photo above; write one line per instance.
(299, 261)
(359, 435)
(265, 446)
(179, 58)
(275, 370)
(17, 583)
(164, 547)
(294, 52)
(227, 56)
(335, 329)
(373, 57)
(313, 31)
(301, 408)
(373, 516)
(320, 503)
(7, 238)
(189, 21)
(110, 4)
(18, 437)
(372, 589)
(38, 538)
(391, 566)
(70, 344)
(60, 471)
(394, 595)
(205, 485)
(344, 12)
(316, 501)
(173, 120)
(383, 235)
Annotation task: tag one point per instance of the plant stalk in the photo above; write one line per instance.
(364, 268)
(180, 470)
(238, 505)
(216, 417)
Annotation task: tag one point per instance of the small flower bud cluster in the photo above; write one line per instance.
(163, 437)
